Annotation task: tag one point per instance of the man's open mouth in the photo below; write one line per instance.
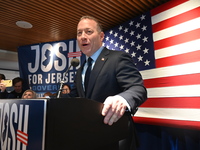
(84, 44)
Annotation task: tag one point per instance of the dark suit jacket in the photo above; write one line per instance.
(114, 73)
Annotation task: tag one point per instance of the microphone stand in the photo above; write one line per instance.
(62, 82)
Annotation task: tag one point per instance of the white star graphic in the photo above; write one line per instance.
(132, 43)
(121, 47)
(116, 44)
(146, 51)
(121, 37)
(146, 63)
(125, 30)
(137, 25)
(111, 41)
(133, 54)
(145, 39)
(132, 33)
(120, 28)
(138, 47)
(138, 36)
(115, 35)
(142, 17)
(107, 38)
(126, 40)
(127, 50)
(140, 58)
(131, 23)
(144, 28)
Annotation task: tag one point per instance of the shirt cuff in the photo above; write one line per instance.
(122, 99)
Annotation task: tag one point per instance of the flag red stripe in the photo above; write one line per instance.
(22, 141)
(168, 122)
(178, 39)
(167, 6)
(22, 132)
(74, 54)
(189, 79)
(192, 14)
(173, 102)
(178, 59)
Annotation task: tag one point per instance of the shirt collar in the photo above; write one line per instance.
(96, 54)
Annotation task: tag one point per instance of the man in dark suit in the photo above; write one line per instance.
(114, 80)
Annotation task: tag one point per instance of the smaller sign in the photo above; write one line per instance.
(22, 124)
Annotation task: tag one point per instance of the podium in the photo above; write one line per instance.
(49, 124)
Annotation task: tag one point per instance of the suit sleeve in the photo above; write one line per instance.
(131, 82)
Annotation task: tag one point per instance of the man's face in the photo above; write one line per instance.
(18, 87)
(89, 39)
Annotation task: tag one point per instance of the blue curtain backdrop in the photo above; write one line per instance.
(166, 138)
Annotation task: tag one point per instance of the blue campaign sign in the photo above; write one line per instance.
(43, 65)
(22, 124)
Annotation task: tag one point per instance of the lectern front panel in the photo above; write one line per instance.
(22, 124)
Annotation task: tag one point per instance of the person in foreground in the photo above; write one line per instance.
(29, 94)
(114, 79)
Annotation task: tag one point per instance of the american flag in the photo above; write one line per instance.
(22, 137)
(165, 45)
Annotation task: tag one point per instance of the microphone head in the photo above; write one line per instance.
(75, 62)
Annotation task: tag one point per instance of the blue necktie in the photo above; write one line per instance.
(87, 74)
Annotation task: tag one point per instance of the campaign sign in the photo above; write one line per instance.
(44, 65)
(22, 124)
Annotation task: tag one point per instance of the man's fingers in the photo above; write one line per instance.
(108, 117)
(112, 119)
(107, 105)
(119, 113)
(113, 110)
(114, 114)
(105, 109)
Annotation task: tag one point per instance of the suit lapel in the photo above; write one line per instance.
(96, 70)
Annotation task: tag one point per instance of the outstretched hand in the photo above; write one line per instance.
(113, 110)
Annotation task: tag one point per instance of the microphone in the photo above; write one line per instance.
(74, 62)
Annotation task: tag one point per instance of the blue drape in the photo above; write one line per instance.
(166, 138)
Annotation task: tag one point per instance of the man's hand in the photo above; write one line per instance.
(113, 110)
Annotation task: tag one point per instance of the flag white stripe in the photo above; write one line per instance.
(176, 70)
(177, 29)
(174, 91)
(25, 141)
(178, 49)
(182, 8)
(169, 113)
